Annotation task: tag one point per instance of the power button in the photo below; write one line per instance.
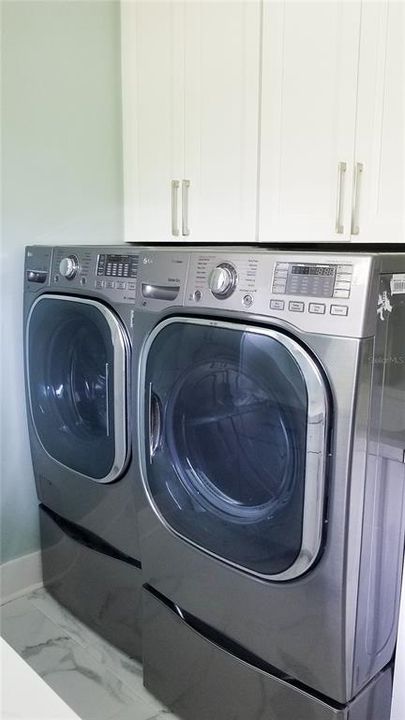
(197, 295)
(247, 300)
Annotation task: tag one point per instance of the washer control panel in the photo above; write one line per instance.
(117, 266)
(96, 270)
(317, 293)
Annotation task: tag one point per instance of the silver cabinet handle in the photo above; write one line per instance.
(355, 229)
(175, 191)
(184, 198)
(339, 197)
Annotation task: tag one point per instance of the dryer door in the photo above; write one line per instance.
(235, 443)
(76, 357)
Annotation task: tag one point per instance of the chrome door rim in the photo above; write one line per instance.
(121, 348)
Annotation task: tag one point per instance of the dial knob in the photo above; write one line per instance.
(69, 266)
(222, 280)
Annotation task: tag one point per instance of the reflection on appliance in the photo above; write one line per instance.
(271, 488)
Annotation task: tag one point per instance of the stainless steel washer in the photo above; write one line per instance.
(78, 309)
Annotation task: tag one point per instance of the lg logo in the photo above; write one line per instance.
(147, 261)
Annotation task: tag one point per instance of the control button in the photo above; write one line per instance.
(277, 304)
(280, 273)
(342, 285)
(121, 286)
(318, 308)
(247, 300)
(99, 284)
(56, 278)
(110, 284)
(131, 286)
(83, 281)
(341, 293)
(282, 266)
(197, 295)
(339, 309)
(345, 269)
(296, 306)
(279, 288)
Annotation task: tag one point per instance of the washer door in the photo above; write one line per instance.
(235, 443)
(76, 354)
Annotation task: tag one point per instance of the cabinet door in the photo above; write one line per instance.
(222, 59)
(379, 200)
(153, 101)
(310, 54)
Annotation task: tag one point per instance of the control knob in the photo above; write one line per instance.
(222, 280)
(69, 266)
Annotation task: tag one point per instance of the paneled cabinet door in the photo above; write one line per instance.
(309, 81)
(378, 200)
(222, 68)
(190, 77)
(152, 34)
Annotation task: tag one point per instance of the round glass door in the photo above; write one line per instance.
(217, 422)
(226, 441)
(72, 365)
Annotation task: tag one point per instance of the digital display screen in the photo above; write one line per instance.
(313, 270)
(117, 259)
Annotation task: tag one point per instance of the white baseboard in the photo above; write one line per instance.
(20, 576)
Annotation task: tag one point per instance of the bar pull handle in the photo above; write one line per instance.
(184, 198)
(342, 166)
(155, 423)
(107, 398)
(175, 192)
(355, 229)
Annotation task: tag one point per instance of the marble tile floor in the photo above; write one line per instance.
(95, 679)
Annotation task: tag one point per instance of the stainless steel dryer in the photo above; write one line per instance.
(78, 309)
(271, 430)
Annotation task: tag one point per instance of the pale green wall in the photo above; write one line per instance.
(61, 183)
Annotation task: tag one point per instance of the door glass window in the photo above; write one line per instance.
(228, 420)
(70, 375)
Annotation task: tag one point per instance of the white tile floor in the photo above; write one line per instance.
(97, 681)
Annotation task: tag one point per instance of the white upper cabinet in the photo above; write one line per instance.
(222, 57)
(263, 120)
(190, 116)
(332, 123)
(309, 85)
(379, 201)
(153, 101)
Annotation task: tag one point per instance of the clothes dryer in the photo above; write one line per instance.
(271, 436)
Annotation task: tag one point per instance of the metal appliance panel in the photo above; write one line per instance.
(102, 590)
(198, 679)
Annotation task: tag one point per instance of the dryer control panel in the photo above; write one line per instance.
(316, 293)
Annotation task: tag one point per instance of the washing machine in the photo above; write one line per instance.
(271, 434)
(78, 315)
